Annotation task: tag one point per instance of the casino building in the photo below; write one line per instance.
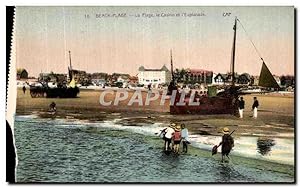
(154, 76)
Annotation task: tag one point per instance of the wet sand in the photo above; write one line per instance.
(275, 114)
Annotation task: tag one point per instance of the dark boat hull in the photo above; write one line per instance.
(208, 105)
(225, 102)
(37, 92)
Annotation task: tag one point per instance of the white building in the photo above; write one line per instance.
(154, 76)
(218, 79)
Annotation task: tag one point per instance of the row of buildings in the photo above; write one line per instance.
(86, 79)
(154, 77)
(163, 76)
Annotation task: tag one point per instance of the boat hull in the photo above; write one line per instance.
(38, 92)
(207, 105)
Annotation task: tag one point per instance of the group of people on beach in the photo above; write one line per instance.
(241, 104)
(175, 134)
(178, 133)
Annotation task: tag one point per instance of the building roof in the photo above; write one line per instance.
(20, 70)
(141, 68)
(199, 71)
(224, 76)
(163, 68)
(125, 77)
(246, 75)
(133, 78)
(227, 75)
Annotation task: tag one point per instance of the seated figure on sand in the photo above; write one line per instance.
(52, 107)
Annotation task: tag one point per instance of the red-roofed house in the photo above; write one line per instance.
(200, 76)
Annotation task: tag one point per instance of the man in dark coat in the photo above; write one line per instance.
(241, 107)
(227, 143)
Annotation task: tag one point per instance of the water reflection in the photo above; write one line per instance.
(264, 145)
(225, 172)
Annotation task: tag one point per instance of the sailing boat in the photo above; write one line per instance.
(225, 102)
(266, 78)
(66, 91)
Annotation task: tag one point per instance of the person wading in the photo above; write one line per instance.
(162, 135)
(255, 107)
(169, 131)
(177, 139)
(227, 143)
(184, 136)
(24, 89)
(241, 107)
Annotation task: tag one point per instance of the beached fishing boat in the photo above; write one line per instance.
(64, 91)
(225, 102)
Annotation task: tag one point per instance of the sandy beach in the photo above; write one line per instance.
(275, 115)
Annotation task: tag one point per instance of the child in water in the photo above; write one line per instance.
(184, 135)
(177, 138)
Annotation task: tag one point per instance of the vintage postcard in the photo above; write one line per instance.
(150, 94)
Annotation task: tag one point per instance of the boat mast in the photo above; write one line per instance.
(70, 70)
(233, 51)
(172, 65)
(70, 60)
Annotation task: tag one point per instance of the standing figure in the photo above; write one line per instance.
(254, 107)
(162, 135)
(227, 143)
(184, 136)
(24, 89)
(241, 107)
(169, 131)
(177, 139)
